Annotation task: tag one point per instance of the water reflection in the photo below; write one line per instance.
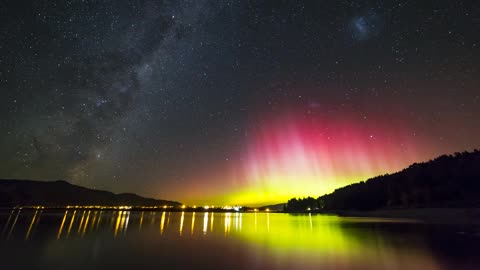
(84, 222)
(308, 240)
(61, 225)
(121, 225)
(193, 223)
(211, 222)
(5, 227)
(141, 221)
(99, 219)
(85, 225)
(181, 222)
(227, 223)
(162, 223)
(71, 223)
(14, 214)
(34, 221)
(205, 223)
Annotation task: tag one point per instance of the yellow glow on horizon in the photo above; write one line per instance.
(280, 189)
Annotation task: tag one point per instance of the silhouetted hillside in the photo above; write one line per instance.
(273, 207)
(62, 193)
(447, 181)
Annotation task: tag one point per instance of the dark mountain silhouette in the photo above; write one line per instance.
(446, 181)
(61, 193)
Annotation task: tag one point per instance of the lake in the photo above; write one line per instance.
(95, 239)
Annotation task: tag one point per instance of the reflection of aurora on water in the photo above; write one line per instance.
(277, 236)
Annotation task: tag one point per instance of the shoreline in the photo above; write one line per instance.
(446, 216)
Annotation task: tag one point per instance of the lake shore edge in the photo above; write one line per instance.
(447, 216)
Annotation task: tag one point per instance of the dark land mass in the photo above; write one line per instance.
(449, 181)
(273, 207)
(61, 194)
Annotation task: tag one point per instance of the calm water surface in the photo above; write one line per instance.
(90, 239)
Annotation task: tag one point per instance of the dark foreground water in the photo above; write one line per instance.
(90, 239)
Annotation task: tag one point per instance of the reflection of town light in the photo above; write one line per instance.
(119, 223)
(211, 222)
(94, 219)
(126, 222)
(193, 223)
(205, 222)
(181, 222)
(98, 221)
(227, 222)
(14, 222)
(141, 222)
(61, 225)
(162, 223)
(81, 222)
(31, 225)
(268, 222)
(8, 221)
(236, 221)
(71, 223)
(86, 224)
(311, 224)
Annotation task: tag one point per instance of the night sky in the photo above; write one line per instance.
(238, 102)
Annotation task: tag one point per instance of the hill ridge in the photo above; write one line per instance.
(15, 192)
(445, 181)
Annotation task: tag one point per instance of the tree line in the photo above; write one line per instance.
(446, 181)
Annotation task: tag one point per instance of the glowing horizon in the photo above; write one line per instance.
(290, 156)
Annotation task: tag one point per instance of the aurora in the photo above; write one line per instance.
(294, 156)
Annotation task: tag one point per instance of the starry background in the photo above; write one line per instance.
(217, 101)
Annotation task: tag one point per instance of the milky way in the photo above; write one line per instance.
(234, 101)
